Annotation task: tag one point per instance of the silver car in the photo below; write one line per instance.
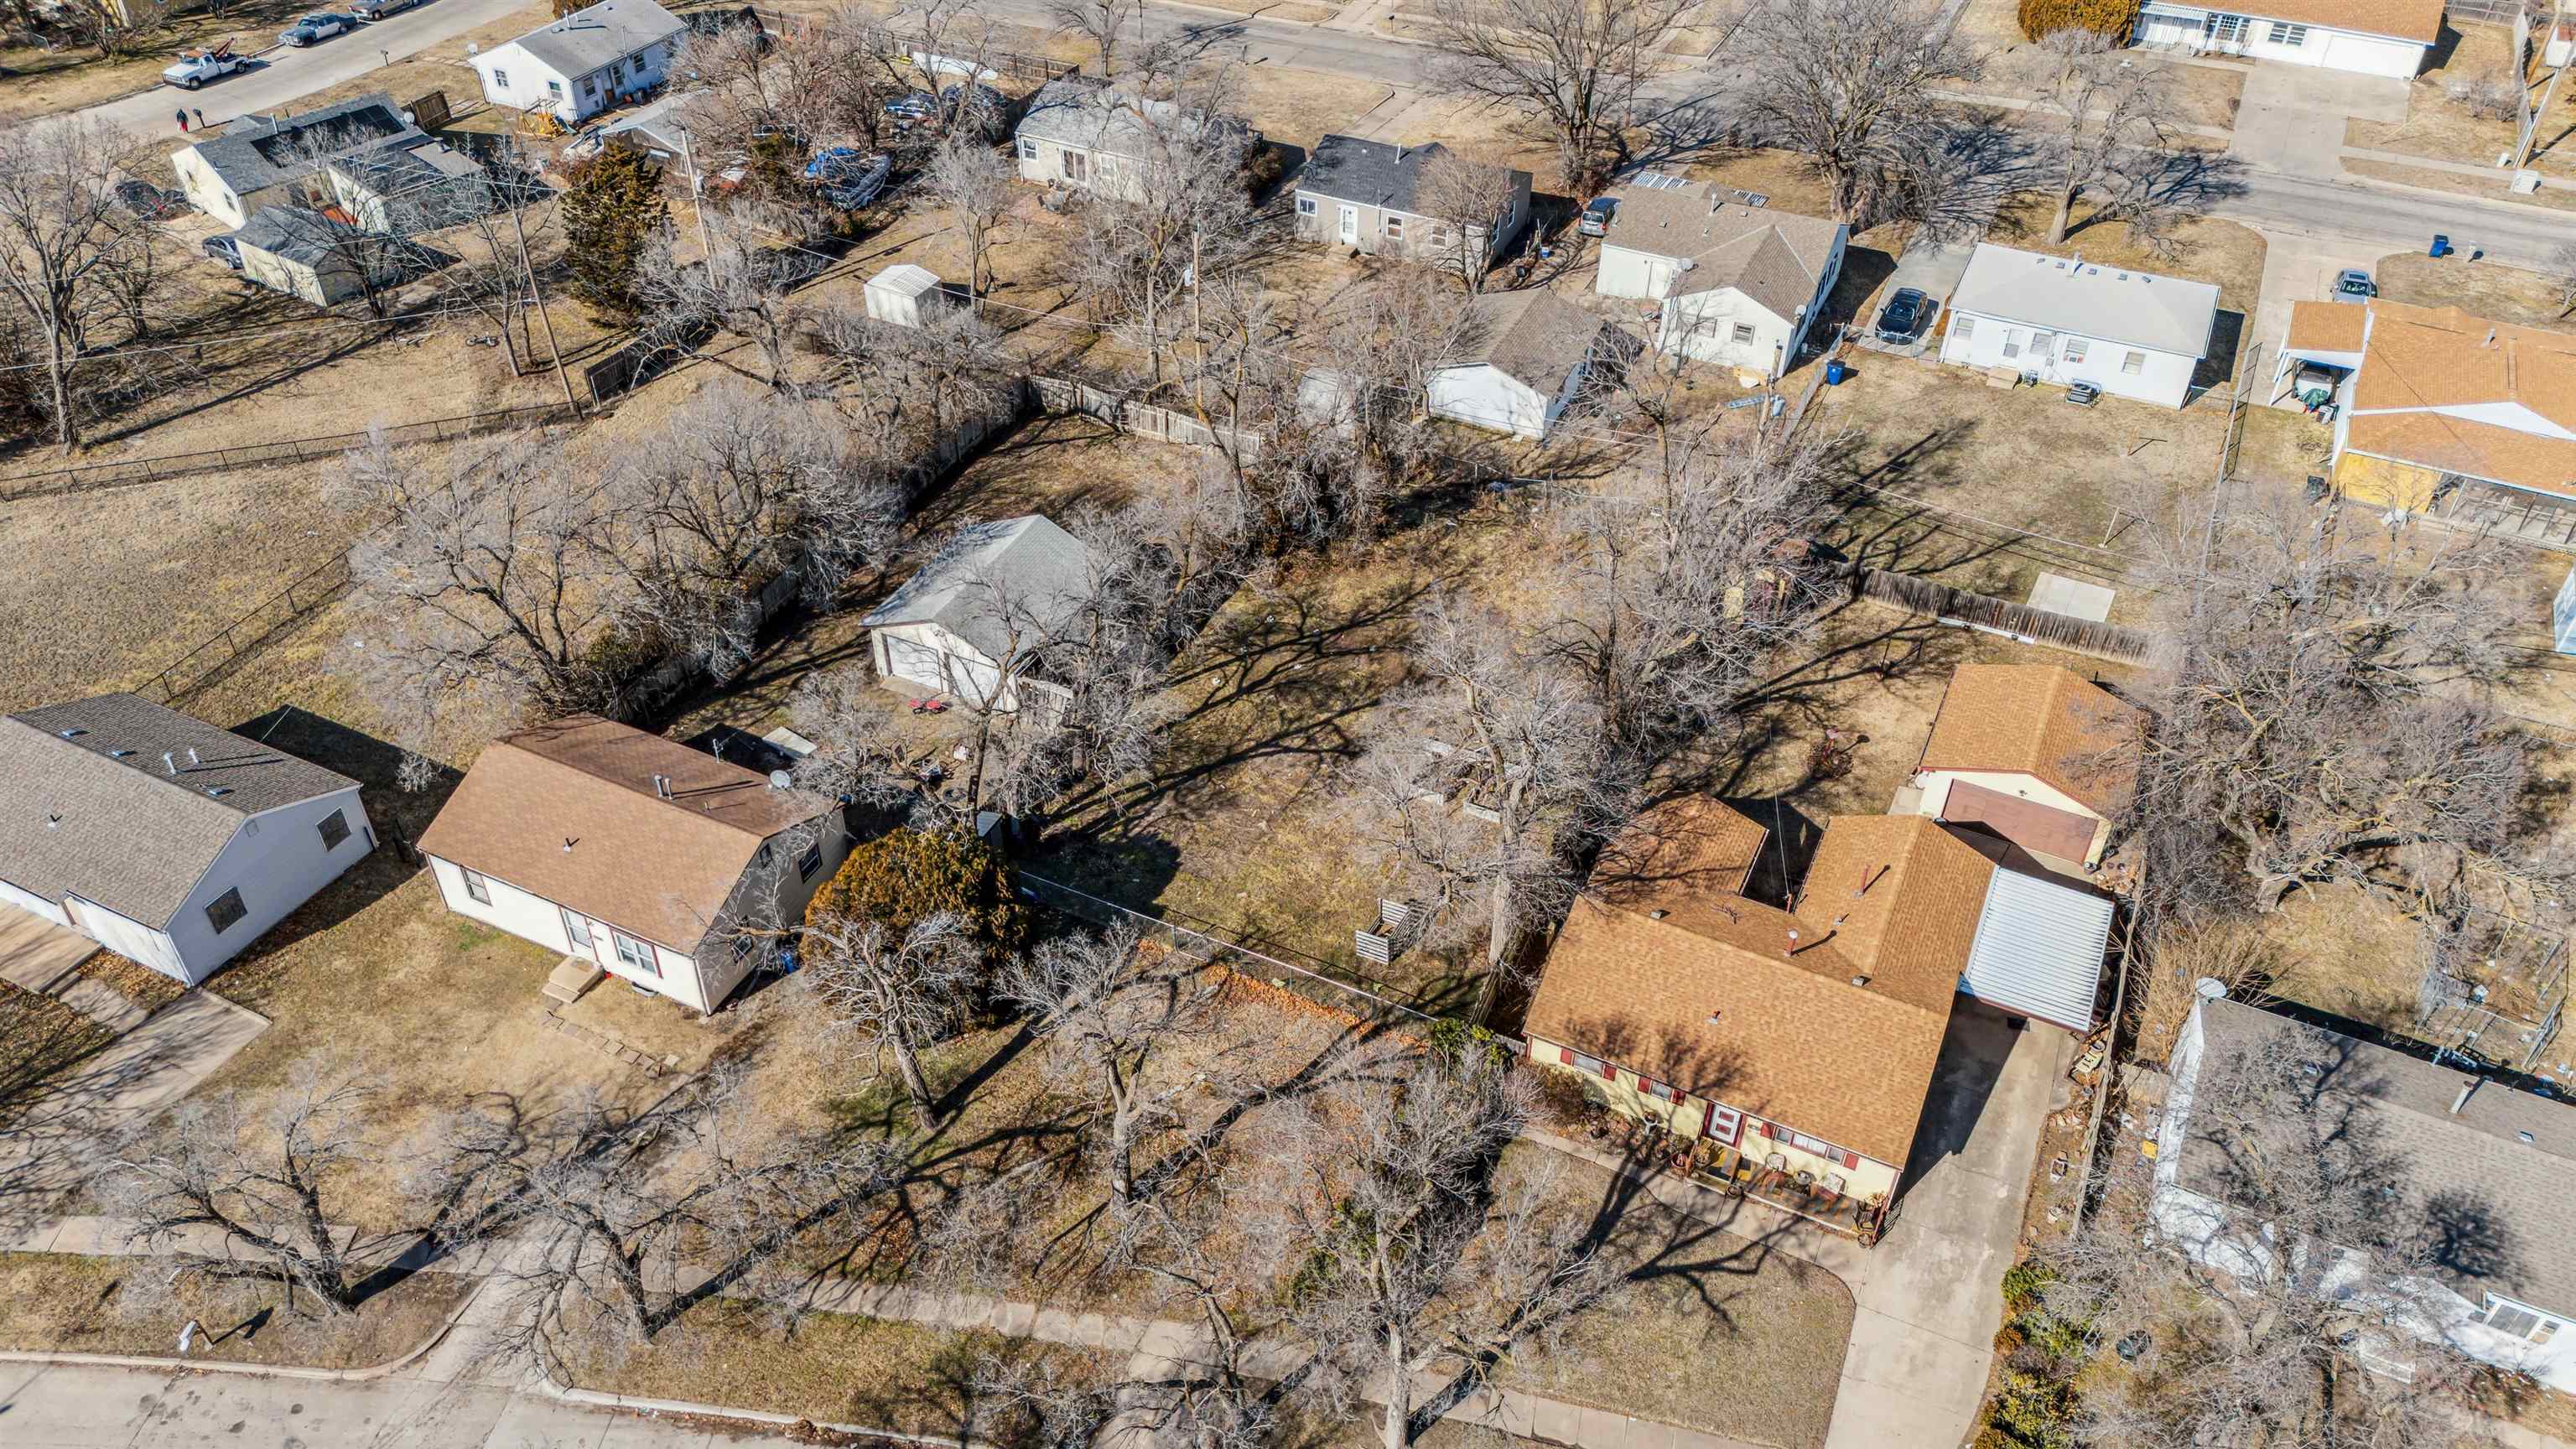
(379, 9)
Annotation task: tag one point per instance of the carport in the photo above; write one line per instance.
(2039, 949)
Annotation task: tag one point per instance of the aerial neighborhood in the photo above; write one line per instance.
(1777, 724)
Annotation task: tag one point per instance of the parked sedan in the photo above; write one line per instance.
(1903, 316)
(318, 26)
(379, 9)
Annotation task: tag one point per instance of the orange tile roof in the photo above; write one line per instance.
(2479, 450)
(652, 867)
(1700, 986)
(2039, 720)
(2416, 20)
(2327, 326)
(2421, 360)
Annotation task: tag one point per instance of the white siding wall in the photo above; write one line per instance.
(34, 904)
(532, 917)
(2162, 377)
(1109, 175)
(1487, 397)
(514, 78)
(205, 190)
(1702, 325)
(131, 939)
(277, 861)
(963, 670)
(1625, 273)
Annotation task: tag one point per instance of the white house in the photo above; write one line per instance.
(1091, 137)
(2374, 37)
(654, 862)
(305, 254)
(168, 841)
(2474, 1150)
(1525, 358)
(1741, 284)
(2130, 334)
(583, 63)
(975, 621)
(258, 162)
(2031, 752)
(1371, 196)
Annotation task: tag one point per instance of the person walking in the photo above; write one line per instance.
(183, 121)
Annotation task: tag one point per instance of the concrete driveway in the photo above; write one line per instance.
(2292, 117)
(1930, 268)
(2300, 269)
(35, 953)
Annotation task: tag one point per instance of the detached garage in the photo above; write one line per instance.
(2034, 754)
(1524, 359)
(975, 622)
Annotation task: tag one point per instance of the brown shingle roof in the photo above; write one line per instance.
(2416, 20)
(1712, 996)
(2327, 326)
(2040, 720)
(1535, 336)
(656, 868)
(1774, 257)
(2420, 360)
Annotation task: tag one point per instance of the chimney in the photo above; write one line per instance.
(168, 763)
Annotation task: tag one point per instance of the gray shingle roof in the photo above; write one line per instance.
(1371, 173)
(1040, 564)
(1774, 257)
(131, 833)
(585, 40)
(255, 153)
(1535, 336)
(2052, 294)
(1071, 111)
(296, 233)
(2528, 1188)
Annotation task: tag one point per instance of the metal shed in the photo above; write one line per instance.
(2039, 949)
(905, 295)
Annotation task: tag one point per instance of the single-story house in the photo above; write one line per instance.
(585, 62)
(2374, 37)
(2475, 1149)
(659, 128)
(2130, 334)
(168, 841)
(1804, 1037)
(1740, 283)
(1369, 195)
(1093, 137)
(974, 620)
(306, 254)
(2426, 394)
(257, 161)
(2035, 753)
(654, 862)
(1524, 360)
(406, 190)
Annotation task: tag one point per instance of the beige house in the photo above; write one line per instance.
(633, 854)
(2035, 754)
(1371, 196)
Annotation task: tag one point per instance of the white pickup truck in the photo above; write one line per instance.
(196, 67)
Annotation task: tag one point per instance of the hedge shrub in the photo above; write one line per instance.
(905, 876)
(2113, 18)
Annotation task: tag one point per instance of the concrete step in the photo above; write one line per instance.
(572, 976)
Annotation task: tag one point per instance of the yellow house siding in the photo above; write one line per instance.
(2384, 482)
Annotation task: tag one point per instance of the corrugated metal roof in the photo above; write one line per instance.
(2039, 949)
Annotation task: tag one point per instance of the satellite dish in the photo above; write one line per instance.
(780, 780)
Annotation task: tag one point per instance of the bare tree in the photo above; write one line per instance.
(1849, 84)
(496, 569)
(2106, 115)
(2240, 1323)
(1490, 777)
(1574, 66)
(115, 27)
(1102, 22)
(742, 288)
(1113, 1013)
(1467, 199)
(60, 236)
(264, 1186)
(858, 750)
(1413, 1258)
(505, 248)
(899, 994)
(2562, 276)
(972, 180)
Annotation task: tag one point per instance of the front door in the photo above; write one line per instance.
(1350, 226)
(585, 940)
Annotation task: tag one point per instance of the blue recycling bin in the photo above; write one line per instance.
(2441, 245)
(1835, 372)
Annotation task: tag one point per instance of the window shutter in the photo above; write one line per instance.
(1609, 1072)
(1565, 1055)
(1851, 1161)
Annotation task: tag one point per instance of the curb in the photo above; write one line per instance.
(598, 1399)
(254, 1370)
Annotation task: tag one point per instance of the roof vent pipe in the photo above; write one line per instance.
(169, 763)
(1793, 945)
(2462, 1100)
(192, 757)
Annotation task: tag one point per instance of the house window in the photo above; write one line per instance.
(2284, 33)
(761, 856)
(1582, 1063)
(1305, 206)
(2134, 363)
(1660, 1091)
(554, 88)
(589, 87)
(2012, 344)
(810, 862)
(477, 887)
(225, 909)
(636, 954)
(334, 828)
(1963, 327)
(500, 80)
(1722, 1124)
(1743, 332)
(1438, 234)
(1395, 228)
(2073, 351)
(1076, 166)
(742, 946)
(1028, 149)
(2513, 1322)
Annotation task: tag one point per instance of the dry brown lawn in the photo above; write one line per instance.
(40, 1038)
(2441, 127)
(2491, 185)
(833, 1368)
(76, 1304)
(2483, 289)
(2202, 95)
(132, 980)
(2343, 950)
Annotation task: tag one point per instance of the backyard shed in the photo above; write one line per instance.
(306, 254)
(974, 622)
(905, 295)
(1522, 363)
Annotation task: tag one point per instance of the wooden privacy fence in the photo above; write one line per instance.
(81, 477)
(1122, 411)
(2002, 616)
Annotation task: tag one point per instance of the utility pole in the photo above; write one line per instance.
(2531, 126)
(697, 196)
(1198, 328)
(527, 269)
